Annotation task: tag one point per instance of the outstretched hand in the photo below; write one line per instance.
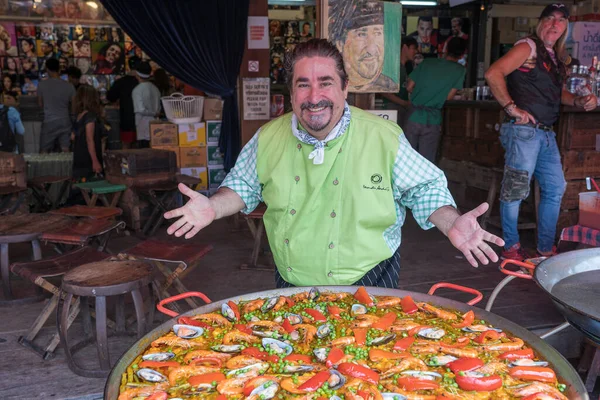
(468, 237)
(196, 214)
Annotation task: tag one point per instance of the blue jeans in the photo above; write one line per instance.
(530, 152)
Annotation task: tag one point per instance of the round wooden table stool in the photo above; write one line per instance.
(100, 280)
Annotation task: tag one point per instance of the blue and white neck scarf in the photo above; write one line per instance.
(318, 154)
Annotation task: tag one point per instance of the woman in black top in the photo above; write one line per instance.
(87, 134)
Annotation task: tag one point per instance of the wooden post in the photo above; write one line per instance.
(366, 101)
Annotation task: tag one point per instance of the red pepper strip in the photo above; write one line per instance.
(540, 374)
(290, 302)
(208, 360)
(243, 328)
(334, 311)
(385, 322)
(483, 384)
(360, 372)
(417, 329)
(192, 322)
(517, 354)
(362, 296)
(404, 344)
(158, 396)
(461, 342)
(468, 319)
(206, 378)
(289, 328)
(314, 383)
(261, 355)
(378, 355)
(315, 314)
(465, 364)
(298, 357)
(408, 305)
(491, 335)
(159, 364)
(221, 397)
(411, 384)
(539, 396)
(360, 336)
(443, 397)
(235, 309)
(363, 394)
(335, 355)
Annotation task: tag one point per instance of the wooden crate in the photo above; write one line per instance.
(486, 122)
(458, 122)
(13, 170)
(578, 131)
(578, 165)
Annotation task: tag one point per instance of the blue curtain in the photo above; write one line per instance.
(200, 42)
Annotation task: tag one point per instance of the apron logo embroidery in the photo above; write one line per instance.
(376, 178)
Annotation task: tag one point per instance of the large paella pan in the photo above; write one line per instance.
(341, 342)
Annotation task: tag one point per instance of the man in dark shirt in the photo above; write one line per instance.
(74, 75)
(121, 91)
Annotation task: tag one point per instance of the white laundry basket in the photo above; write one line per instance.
(182, 109)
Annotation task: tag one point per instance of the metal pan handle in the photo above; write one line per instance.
(161, 305)
(518, 274)
(477, 293)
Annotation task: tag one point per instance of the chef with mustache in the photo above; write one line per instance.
(337, 182)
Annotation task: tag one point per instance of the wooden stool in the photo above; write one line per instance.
(257, 228)
(162, 196)
(88, 212)
(99, 280)
(590, 363)
(83, 232)
(100, 190)
(38, 273)
(185, 255)
(11, 198)
(493, 192)
(40, 187)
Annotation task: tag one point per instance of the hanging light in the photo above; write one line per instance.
(92, 4)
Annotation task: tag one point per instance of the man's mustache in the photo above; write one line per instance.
(367, 54)
(322, 103)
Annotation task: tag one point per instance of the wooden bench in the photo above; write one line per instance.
(40, 187)
(101, 190)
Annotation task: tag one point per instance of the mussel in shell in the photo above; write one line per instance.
(158, 356)
(383, 339)
(279, 347)
(188, 331)
(438, 361)
(336, 380)
(432, 333)
(269, 304)
(479, 329)
(525, 362)
(427, 375)
(266, 391)
(324, 330)
(321, 353)
(224, 348)
(150, 375)
(293, 318)
(314, 294)
(358, 309)
(228, 312)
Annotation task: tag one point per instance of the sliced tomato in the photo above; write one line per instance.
(408, 305)
(314, 383)
(206, 378)
(290, 303)
(517, 354)
(235, 309)
(385, 322)
(540, 374)
(360, 372)
(360, 336)
(362, 296)
(411, 384)
(479, 384)
(243, 328)
(465, 364)
(334, 311)
(298, 357)
(335, 355)
(158, 364)
(378, 355)
(488, 336)
(261, 355)
(289, 328)
(404, 344)
(193, 322)
(158, 396)
(315, 314)
(468, 319)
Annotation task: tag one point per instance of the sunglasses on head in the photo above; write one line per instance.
(558, 5)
